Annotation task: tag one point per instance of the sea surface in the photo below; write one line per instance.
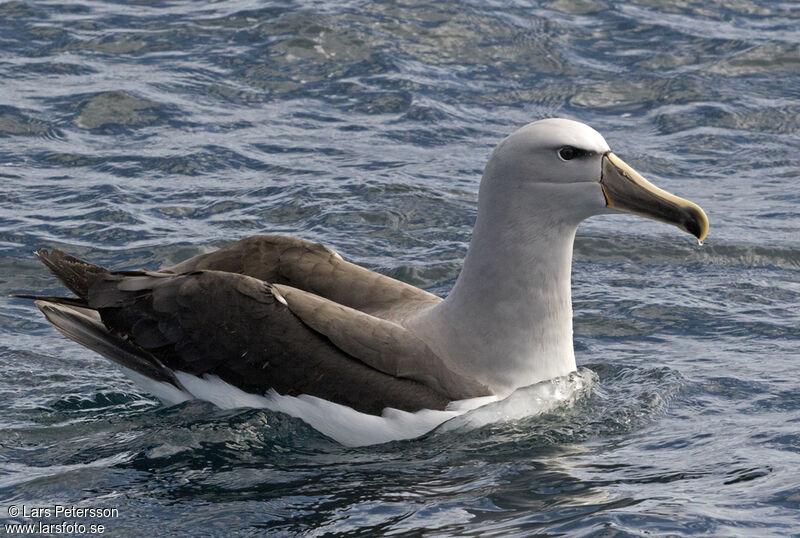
(136, 134)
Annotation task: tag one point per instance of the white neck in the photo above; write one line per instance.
(508, 320)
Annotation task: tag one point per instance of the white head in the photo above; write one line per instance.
(562, 171)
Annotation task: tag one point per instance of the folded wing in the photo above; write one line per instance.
(314, 268)
(233, 326)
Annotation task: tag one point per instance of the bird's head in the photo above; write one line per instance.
(563, 169)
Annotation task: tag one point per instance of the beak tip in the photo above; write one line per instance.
(698, 224)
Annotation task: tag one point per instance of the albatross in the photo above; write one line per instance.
(284, 323)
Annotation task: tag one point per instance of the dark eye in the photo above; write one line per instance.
(567, 153)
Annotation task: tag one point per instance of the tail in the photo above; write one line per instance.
(75, 319)
(84, 326)
(73, 272)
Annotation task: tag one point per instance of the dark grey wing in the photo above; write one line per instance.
(312, 267)
(84, 326)
(382, 344)
(73, 272)
(234, 327)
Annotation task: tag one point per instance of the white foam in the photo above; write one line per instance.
(528, 401)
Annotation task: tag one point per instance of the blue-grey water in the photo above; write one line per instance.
(139, 133)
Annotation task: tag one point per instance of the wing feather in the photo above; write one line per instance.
(232, 326)
(312, 267)
(382, 344)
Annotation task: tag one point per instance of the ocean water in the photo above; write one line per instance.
(140, 133)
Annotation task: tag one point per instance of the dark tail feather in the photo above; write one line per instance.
(71, 301)
(84, 326)
(73, 272)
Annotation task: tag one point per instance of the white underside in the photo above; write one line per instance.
(352, 428)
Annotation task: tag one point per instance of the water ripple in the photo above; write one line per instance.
(140, 134)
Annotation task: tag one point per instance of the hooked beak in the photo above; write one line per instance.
(625, 190)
